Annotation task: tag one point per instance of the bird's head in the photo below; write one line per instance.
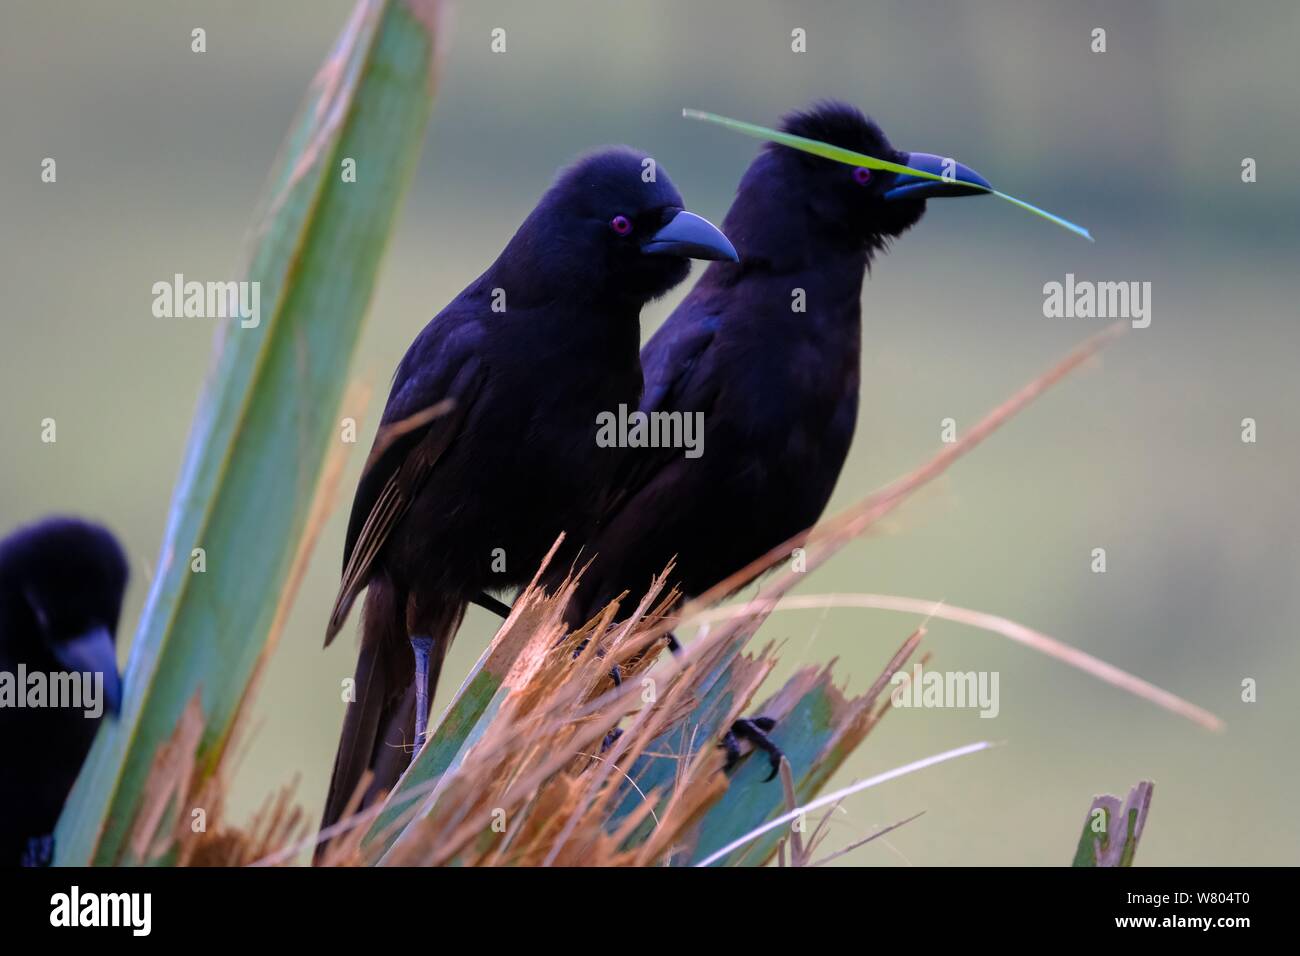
(858, 205)
(614, 223)
(63, 580)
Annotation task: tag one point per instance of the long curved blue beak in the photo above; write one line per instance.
(93, 653)
(958, 179)
(691, 237)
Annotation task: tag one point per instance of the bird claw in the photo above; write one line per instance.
(755, 731)
(615, 672)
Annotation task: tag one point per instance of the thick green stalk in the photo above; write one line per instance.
(266, 415)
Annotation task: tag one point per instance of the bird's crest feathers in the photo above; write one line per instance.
(840, 124)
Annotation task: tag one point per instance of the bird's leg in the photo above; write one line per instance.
(755, 730)
(488, 603)
(422, 646)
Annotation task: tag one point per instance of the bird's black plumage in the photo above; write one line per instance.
(61, 587)
(778, 388)
(487, 446)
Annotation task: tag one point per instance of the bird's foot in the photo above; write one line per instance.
(39, 851)
(610, 739)
(488, 603)
(422, 646)
(754, 731)
(615, 672)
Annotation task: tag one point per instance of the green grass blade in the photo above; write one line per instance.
(815, 146)
(852, 158)
(1049, 216)
(267, 413)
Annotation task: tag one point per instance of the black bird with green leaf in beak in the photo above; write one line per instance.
(767, 350)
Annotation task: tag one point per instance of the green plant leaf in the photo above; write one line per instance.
(852, 158)
(266, 415)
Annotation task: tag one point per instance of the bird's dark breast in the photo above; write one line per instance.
(773, 479)
(782, 425)
(525, 468)
(780, 400)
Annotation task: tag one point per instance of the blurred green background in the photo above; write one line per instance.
(162, 153)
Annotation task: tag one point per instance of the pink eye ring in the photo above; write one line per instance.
(861, 175)
(621, 225)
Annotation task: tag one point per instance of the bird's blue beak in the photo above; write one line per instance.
(93, 653)
(958, 179)
(692, 237)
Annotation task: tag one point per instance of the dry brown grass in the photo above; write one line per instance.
(542, 784)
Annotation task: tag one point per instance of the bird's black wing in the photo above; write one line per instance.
(675, 380)
(433, 391)
(677, 364)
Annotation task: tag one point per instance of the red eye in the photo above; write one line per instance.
(861, 175)
(621, 225)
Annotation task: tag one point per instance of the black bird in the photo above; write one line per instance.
(61, 587)
(777, 387)
(487, 447)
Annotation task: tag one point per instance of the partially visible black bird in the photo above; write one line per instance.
(487, 447)
(61, 587)
(767, 349)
